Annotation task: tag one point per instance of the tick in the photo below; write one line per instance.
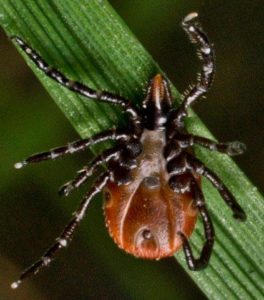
(152, 185)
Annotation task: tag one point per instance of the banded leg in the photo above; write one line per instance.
(66, 235)
(180, 177)
(231, 148)
(78, 87)
(72, 147)
(206, 55)
(201, 262)
(188, 140)
(178, 165)
(198, 167)
(87, 171)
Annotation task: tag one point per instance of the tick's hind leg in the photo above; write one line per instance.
(71, 148)
(200, 263)
(198, 167)
(66, 235)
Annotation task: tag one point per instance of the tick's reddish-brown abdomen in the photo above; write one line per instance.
(144, 216)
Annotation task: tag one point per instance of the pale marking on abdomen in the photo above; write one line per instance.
(150, 163)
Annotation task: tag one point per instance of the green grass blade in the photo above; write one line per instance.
(89, 42)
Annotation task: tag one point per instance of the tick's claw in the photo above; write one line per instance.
(190, 17)
(20, 165)
(236, 148)
(18, 40)
(240, 216)
(15, 284)
(65, 190)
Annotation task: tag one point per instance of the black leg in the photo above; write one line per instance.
(201, 262)
(179, 142)
(231, 148)
(86, 172)
(180, 177)
(66, 235)
(206, 54)
(178, 165)
(181, 183)
(79, 87)
(72, 147)
(198, 167)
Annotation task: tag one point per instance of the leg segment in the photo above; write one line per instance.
(66, 235)
(202, 261)
(198, 167)
(231, 148)
(180, 177)
(79, 87)
(184, 141)
(86, 172)
(206, 54)
(72, 147)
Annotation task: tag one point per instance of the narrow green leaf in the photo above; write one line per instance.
(89, 42)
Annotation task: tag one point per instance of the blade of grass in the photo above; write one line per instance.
(89, 42)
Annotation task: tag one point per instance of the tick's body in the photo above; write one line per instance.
(152, 184)
(144, 216)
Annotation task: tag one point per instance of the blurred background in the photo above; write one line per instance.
(31, 215)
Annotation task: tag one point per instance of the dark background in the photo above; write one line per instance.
(31, 215)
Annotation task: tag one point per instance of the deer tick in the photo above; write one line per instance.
(152, 186)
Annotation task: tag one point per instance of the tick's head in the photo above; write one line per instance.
(157, 103)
